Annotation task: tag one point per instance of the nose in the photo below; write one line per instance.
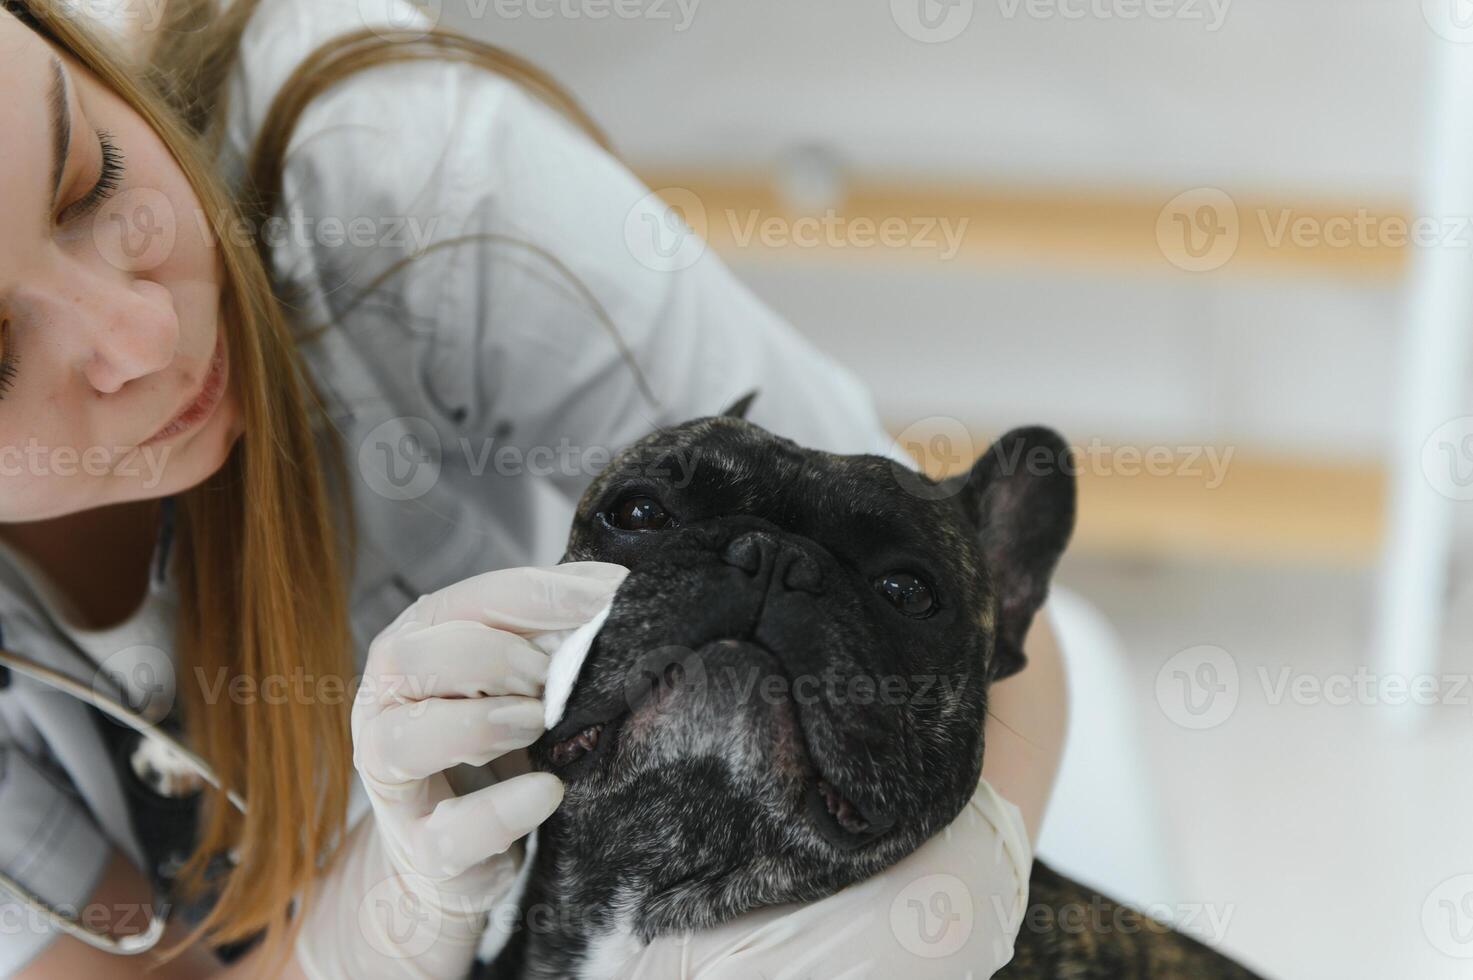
(129, 330)
(761, 553)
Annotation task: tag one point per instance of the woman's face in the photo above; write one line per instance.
(114, 380)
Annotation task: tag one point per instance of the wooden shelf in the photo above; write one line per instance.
(1264, 509)
(1090, 228)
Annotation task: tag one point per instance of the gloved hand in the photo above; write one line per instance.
(454, 679)
(952, 908)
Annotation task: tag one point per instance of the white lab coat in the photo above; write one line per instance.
(477, 391)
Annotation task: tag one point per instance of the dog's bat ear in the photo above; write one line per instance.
(738, 408)
(1020, 496)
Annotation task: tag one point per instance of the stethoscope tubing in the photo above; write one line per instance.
(145, 941)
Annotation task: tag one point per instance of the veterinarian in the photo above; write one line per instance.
(256, 472)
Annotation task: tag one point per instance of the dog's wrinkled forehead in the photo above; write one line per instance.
(725, 465)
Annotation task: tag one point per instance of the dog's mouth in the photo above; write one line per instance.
(575, 748)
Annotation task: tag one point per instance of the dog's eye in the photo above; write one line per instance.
(640, 514)
(906, 592)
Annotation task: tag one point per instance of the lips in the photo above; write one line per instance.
(576, 747)
(570, 750)
(203, 404)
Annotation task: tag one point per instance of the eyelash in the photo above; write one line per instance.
(107, 181)
(8, 361)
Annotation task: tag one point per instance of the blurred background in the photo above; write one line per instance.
(1223, 245)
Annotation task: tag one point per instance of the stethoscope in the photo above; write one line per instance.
(121, 713)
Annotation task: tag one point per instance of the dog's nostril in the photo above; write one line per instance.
(744, 552)
(802, 574)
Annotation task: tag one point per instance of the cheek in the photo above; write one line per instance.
(154, 226)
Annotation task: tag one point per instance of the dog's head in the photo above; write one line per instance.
(789, 691)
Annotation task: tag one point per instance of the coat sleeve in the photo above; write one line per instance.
(49, 844)
(557, 320)
(626, 322)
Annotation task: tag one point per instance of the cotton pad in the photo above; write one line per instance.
(568, 649)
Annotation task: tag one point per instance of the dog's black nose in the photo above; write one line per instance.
(756, 552)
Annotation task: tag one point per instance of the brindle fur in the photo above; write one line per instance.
(696, 807)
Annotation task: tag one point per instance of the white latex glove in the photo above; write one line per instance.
(951, 909)
(456, 678)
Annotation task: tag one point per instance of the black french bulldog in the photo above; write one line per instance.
(788, 694)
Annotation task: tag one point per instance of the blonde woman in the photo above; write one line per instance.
(314, 321)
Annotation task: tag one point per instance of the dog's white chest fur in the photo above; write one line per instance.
(610, 951)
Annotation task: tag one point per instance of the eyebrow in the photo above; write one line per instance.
(61, 127)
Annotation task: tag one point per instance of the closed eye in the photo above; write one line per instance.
(109, 177)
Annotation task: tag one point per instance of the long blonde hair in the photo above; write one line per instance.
(263, 545)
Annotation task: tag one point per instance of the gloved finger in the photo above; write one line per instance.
(465, 830)
(458, 658)
(527, 600)
(409, 742)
